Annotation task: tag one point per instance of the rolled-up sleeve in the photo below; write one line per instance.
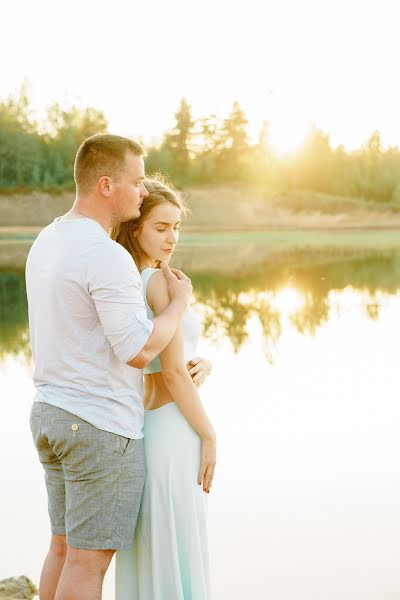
(116, 288)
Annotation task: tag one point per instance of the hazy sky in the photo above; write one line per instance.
(292, 62)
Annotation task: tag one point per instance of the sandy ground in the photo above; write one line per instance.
(223, 209)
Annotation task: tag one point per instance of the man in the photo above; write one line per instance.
(90, 338)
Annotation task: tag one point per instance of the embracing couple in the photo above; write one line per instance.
(127, 448)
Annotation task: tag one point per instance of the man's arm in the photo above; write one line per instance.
(166, 323)
(115, 286)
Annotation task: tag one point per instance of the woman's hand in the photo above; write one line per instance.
(208, 461)
(199, 368)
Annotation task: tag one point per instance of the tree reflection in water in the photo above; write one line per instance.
(313, 275)
(14, 334)
(227, 300)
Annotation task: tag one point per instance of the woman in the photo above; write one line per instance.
(169, 558)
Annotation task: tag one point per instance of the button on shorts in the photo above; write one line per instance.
(94, 479)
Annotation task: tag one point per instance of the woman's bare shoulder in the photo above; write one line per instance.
(157, 280)
(157, 291)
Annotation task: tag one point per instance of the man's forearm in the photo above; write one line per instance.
(164, 328)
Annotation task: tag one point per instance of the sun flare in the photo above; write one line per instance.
(287, 136)
(288, 300)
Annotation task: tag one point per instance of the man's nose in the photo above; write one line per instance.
(145, 192)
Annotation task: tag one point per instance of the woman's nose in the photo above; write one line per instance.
(172, 237)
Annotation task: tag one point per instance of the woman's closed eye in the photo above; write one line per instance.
(164, 229)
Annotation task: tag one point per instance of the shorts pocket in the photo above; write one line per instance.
(124, 443)
(70, 436)
(35, 420)
(72, 421)
(34, 423)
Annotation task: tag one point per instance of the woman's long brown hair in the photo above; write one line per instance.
(160, 191)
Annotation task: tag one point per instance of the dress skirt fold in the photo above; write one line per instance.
(169, 556)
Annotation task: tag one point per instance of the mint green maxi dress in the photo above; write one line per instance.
(169, 557)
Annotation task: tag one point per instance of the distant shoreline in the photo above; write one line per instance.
(240, 225)
(234, 248)
(17, 233)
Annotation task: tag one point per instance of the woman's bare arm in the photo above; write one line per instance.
(180, 385)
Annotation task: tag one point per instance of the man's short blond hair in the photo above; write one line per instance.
(102, 155)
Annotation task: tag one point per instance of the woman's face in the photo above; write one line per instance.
(159, 233)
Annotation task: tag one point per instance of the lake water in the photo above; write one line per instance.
(304, 396)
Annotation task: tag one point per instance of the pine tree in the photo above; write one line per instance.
(178, 141)
(234, 153)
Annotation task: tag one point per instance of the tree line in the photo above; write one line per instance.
(195, 152)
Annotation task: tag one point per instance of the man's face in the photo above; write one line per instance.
(129, 190)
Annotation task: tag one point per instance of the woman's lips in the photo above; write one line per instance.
(168, 251)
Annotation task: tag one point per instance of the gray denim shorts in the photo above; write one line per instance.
(94, 479)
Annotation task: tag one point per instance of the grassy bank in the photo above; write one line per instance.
(289, 238)
(296, 239)
(236, 249)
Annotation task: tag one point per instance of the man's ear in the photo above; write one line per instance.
(104, 185)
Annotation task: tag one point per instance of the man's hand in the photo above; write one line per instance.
(199, 368)
(179, 286)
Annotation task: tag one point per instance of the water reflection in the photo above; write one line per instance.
(313, 313)
(14, 338)
(301, 289)
(308, 445)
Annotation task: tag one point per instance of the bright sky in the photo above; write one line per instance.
(293, 62)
